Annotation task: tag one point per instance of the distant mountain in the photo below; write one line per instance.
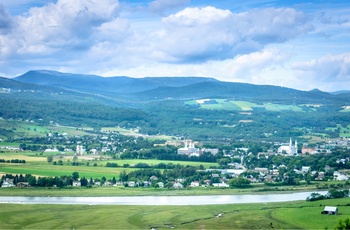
(97, 84)
(341, 92)
(127, 91)
(237, 91)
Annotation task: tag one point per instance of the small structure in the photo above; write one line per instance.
(330, 210)
(76, 184)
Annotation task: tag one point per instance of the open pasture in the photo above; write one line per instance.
(288, 215)
(63, 170)
(224, 104)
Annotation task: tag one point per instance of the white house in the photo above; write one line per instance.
(194, 184)
(330, 210)
(7, 184)
(76, 183)
(177, 185)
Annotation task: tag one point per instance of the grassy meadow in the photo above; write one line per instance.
(36, 164)
(223, 104)
(288, 215)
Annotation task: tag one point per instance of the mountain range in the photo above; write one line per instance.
(123, 90)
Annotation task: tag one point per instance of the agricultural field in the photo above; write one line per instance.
(31, 129)
(224, 104)
(135, 133)
(36, 164)
(343, 131)
(288, 215)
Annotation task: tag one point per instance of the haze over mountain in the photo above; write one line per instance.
(134, 90)
(93, 83)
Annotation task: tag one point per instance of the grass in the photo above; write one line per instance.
(64, 170)
(135, 133)
(224, 104)
(288, 215)
(36, 164)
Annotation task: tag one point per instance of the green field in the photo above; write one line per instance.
(289, 215)
(36, 164)
(135, 133)
(31, 129)
(224, 104)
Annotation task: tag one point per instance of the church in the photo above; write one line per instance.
(289, 149)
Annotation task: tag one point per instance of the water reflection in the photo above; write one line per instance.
(161, 200)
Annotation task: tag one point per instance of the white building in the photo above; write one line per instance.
(80, 150)
(189, 149)
(289, 149)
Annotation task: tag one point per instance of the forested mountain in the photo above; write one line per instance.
(172, 106)
(93, 83)
(133, 91)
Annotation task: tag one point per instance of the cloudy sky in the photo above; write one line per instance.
(297, 44)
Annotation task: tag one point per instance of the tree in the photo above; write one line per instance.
(343, 225)
(32, 180)
(75, 159)
(239, 182)
(50, 159)
(75, 175)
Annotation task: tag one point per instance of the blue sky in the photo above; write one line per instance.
(297, 44)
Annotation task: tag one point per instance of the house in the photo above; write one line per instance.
(305, 169)
(221, 185)
(153, 178)
(97, 183)
(194, 184)
(146, 184)
(160, 184)
(22, 184)
(177, 185)
(330, 210)
(131, 183)
(76, 184)
(7, 184)
(118, 184)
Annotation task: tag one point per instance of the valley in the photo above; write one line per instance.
(61, 136)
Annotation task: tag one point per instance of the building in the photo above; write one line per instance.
(330, 210)
(80, 150)
(76, 184)
(189, 149)
(289, 149)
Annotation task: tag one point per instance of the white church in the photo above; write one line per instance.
(289, 149)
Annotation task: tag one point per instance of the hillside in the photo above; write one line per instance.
(104, 85)
(198, 108)
(127, 91)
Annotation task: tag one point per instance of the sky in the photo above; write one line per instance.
(298, 44)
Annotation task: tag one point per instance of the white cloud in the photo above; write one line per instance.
(63, 25)
(328, 69)
(329, 73)
(201, 34)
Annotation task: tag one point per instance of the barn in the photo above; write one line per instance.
(330, 210)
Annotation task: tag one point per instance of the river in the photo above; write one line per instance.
(161, 200)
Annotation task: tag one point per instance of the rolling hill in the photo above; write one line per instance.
(125, 90)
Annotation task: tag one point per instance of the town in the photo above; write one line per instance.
(237, 165)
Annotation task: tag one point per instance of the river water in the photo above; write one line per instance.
(161, 200)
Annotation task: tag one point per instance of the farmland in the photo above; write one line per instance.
(288, 215)
(224, 104)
